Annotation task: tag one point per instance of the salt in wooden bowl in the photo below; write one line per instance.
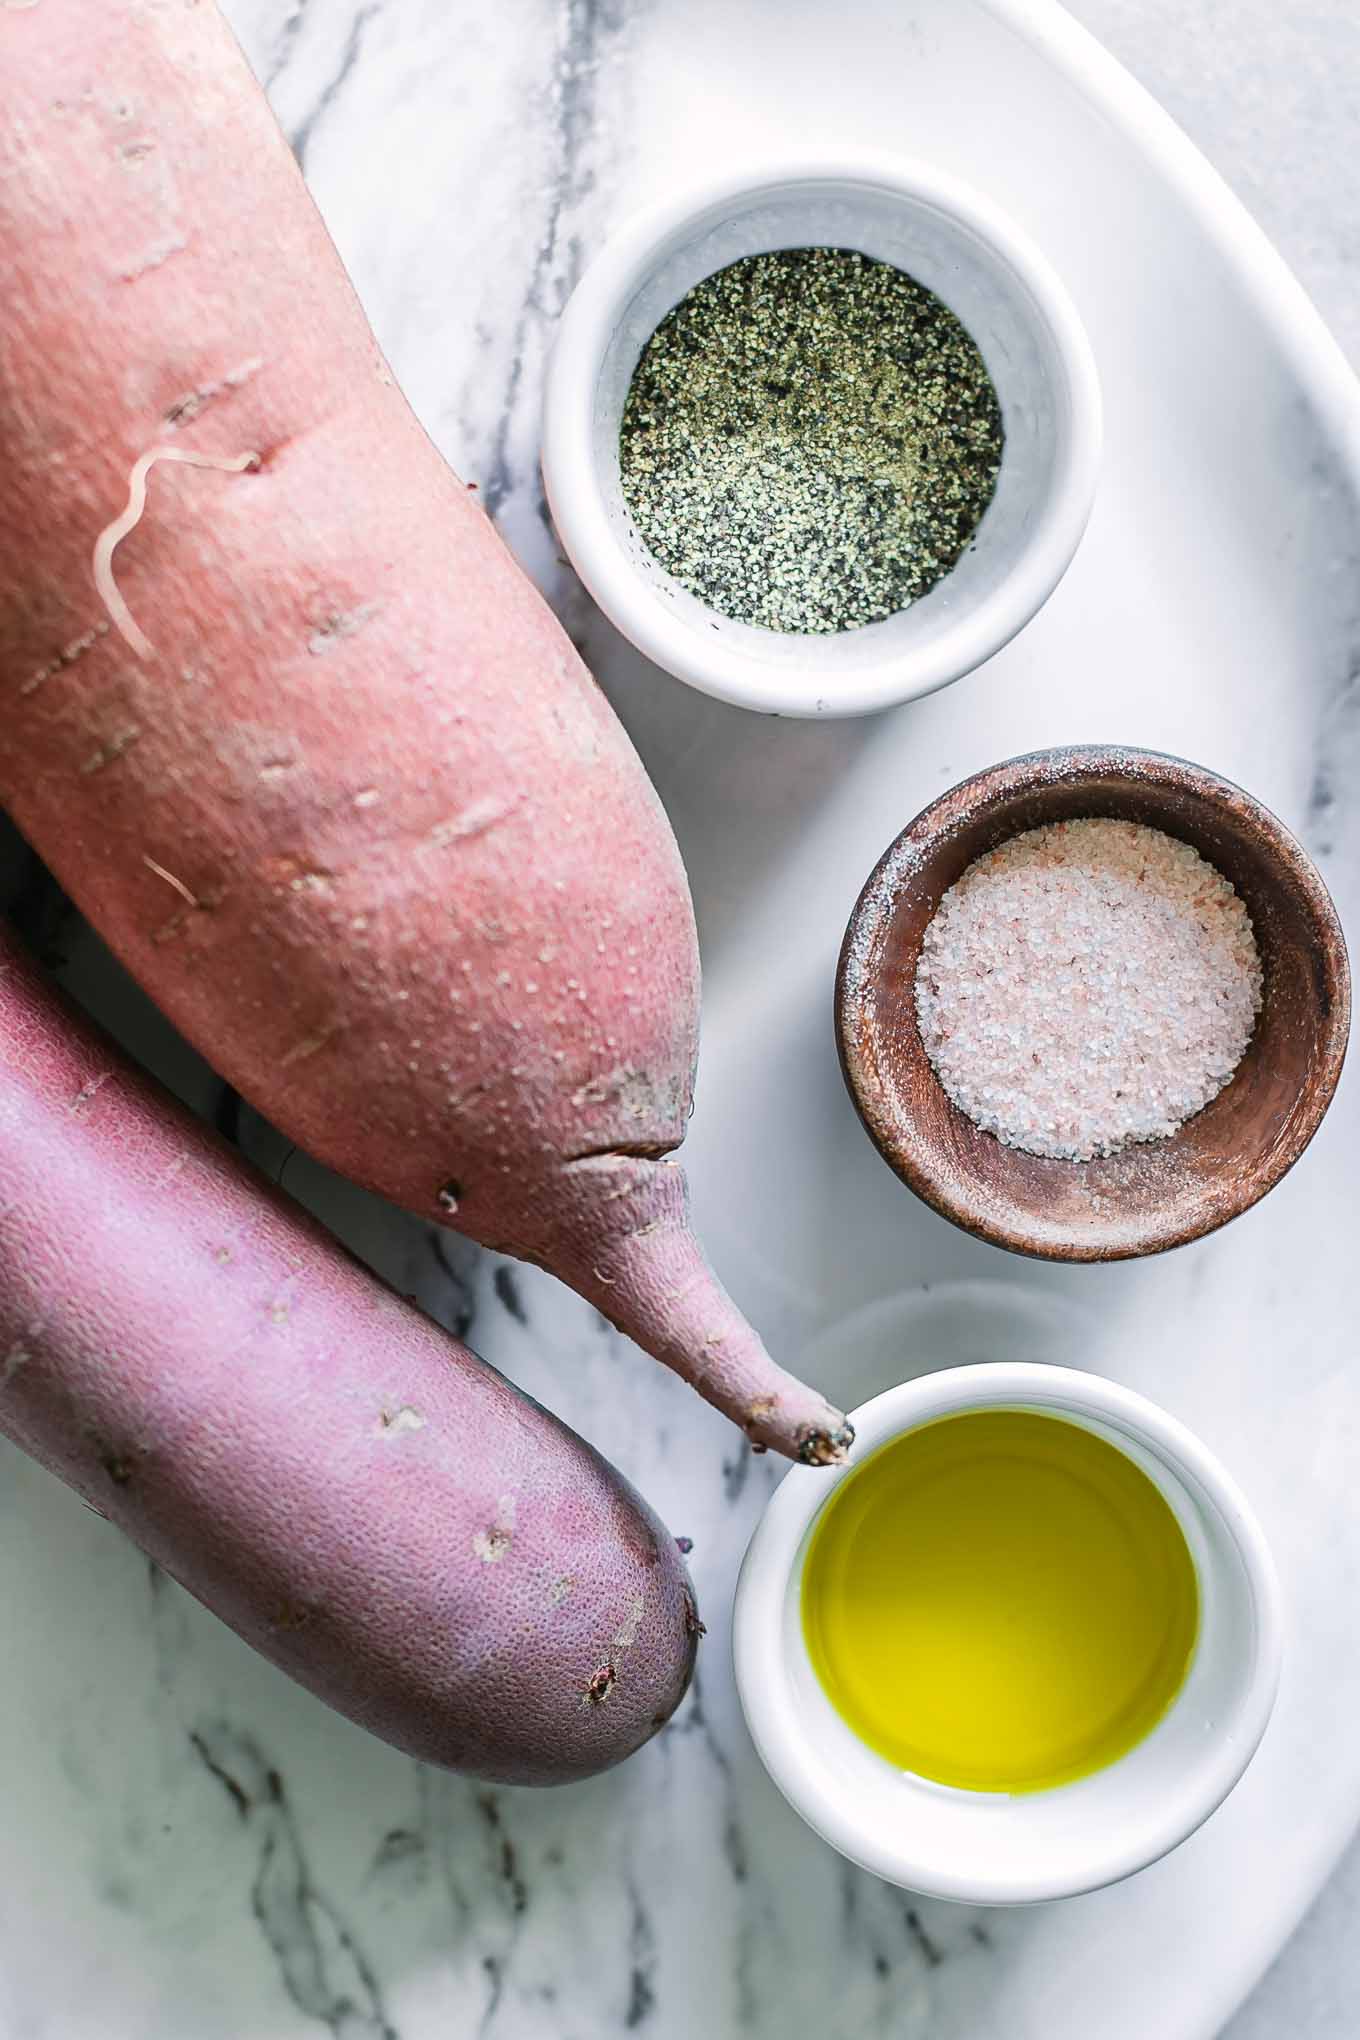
(1155, 1194)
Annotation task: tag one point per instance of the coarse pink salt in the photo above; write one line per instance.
(1086, 985)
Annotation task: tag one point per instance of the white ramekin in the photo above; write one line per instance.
(987, 271)
(992, 1848)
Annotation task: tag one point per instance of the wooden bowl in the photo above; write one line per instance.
(1156, 1194)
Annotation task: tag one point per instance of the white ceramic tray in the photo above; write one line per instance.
(158, 1882)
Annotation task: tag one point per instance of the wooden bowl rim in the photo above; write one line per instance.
(965, 804)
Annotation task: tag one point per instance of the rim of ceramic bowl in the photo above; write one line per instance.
(773, 1559)
(571, 478)
(917, 1161)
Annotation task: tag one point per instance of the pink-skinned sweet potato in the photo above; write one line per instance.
(300, 739)
(365, 1501)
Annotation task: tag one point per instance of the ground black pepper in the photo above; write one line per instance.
(809, 440)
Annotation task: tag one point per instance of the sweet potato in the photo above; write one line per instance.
(359, 1496)
(301, 740)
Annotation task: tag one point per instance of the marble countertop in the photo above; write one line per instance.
(228, 1861)
(1268, 93)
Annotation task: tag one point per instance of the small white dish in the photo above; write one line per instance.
(992, 1848)
(960, 246)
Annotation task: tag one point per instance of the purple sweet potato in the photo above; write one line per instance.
(359, 1496)
(294, 730)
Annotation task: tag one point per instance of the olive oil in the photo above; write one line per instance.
(1000, 1600)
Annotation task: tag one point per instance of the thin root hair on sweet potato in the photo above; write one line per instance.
(112, 536)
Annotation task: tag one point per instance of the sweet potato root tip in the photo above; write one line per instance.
(112, 536)
(654, 1285)
(826, 1448)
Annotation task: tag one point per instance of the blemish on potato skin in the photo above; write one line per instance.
(18, 1356)
(627, 1633)
(67, 656)
(310, 1045)
(337, 625)
(600, 1685)
(290, 1616)
(295, 874)
(561, 1590)
(187, 407)
(195, 903)
(155, 256)
(111, 750)
(492, 1543)
(392, 1424)
(88, 1091)
(476, 820)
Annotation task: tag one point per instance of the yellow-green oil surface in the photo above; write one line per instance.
(1001, 1601)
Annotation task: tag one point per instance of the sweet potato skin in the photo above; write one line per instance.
(366, 1502)
(362, 823)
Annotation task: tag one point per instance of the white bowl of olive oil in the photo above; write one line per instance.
(1020, 1647)
(823, 437)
